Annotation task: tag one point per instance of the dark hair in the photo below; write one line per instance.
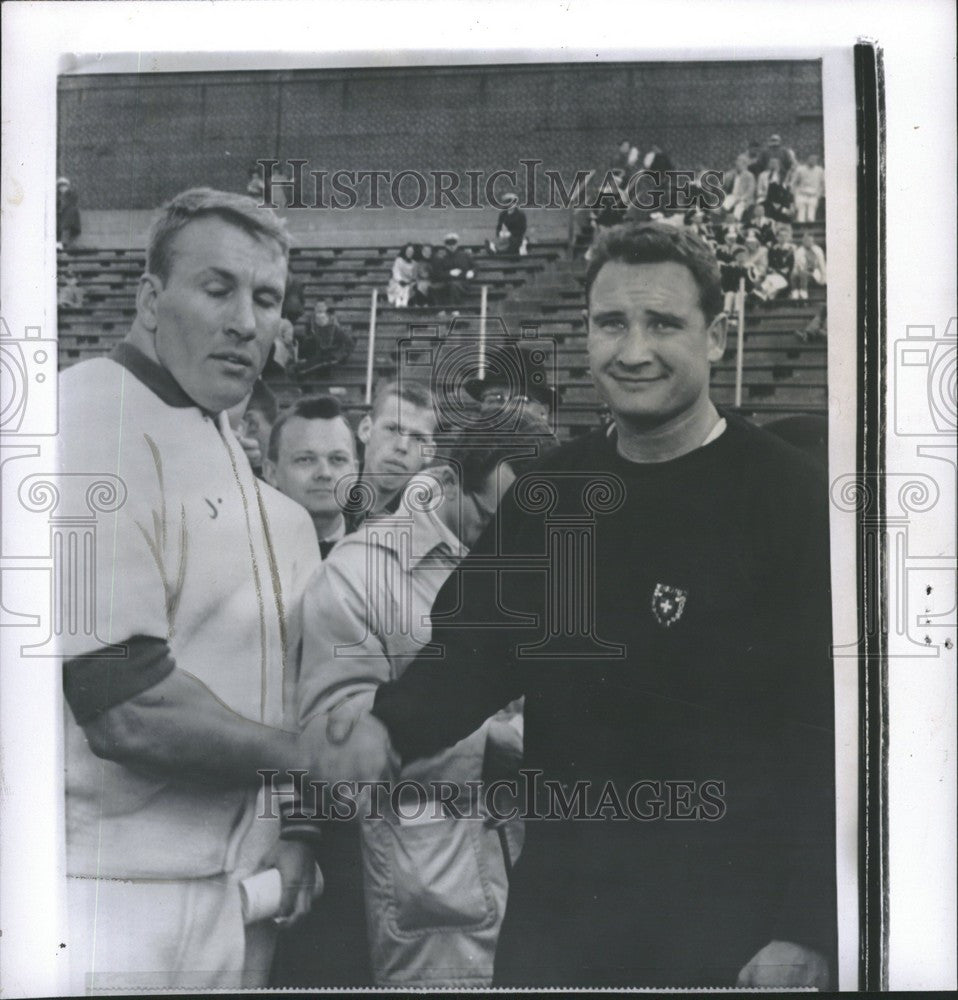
(417, 393)
(655, 243)
(263, 398)
(477, 462)
(311, 408)
(202, 203)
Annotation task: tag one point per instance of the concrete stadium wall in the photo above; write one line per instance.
(132, 141)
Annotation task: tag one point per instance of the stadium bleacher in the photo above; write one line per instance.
(541, 292)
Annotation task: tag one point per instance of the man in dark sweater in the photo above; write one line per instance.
(661, 596)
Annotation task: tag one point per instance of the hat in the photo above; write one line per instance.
(774, 138)
(752, 237)
(451, 238)
(510, 199)
(63, 182)
(529, 362)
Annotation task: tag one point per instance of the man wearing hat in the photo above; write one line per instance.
(510, 228)
(519, 381)
(454, 272)
(68, 212)
(775, 149)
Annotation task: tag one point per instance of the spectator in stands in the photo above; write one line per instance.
(626, 159)
(311, 457)
(755, 262)
(294, 299)
(774, 192)
(742, 196)
(809, 267)
(255, 187)
(422, 293)
(765, 228)
(755, 156)
(699, 223)
(775, 150)
(610, 207)
(731, 258)
(282, 358)
(781, 261)
(510, 229)
(396, 435)
(454, 273)
(324, 343)
(68, 213)
(70, 295)
(403, 277)
(817, 327)
(808, 188)
(499, 393)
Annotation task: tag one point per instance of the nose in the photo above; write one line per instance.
(242, 322)
(636, 347)
(322, 470)
(402, 443)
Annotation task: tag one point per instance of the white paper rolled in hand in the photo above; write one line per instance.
(261, 895)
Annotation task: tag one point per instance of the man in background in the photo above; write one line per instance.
(311, 458)
(434, 892)
(397, 437)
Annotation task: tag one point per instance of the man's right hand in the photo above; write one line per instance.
(347, 744)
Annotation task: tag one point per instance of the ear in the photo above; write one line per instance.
(146, 295)
(269, 472)
(717, 334)
(364, 428)
(446, 476)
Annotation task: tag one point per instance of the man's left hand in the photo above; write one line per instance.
(300, 877)
(781, 963)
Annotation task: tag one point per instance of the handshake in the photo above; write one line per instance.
(348, 743)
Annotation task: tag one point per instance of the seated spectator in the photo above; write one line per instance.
(626, 159)
(422, 292)
(775, 150)
(755, 262)
(454, 273)
(609, 208)
(765, 228)
(742, 196)
(781, 261)
(817, 327)
(510, 229)
(774, 192)
(70, 295)
(808, 188)
(283, 354)
(294, 299)
(730, 254)
(323, 344)
(255, 187)
(403, 277)
(68, 213)
(809, 267)
(755, 156)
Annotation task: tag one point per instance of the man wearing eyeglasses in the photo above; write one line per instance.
(435, 888)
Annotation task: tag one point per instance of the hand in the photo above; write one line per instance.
(300, 877)
(781, 963)
(348, 743)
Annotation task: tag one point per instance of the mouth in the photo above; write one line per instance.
(235, 362)
(638, 381)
